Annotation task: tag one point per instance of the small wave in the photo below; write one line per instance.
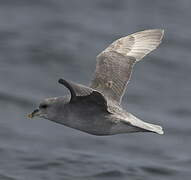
(5, 177)
(45, 166)
(112, 173)
(181, 112)
(15, 99)
(159, 170)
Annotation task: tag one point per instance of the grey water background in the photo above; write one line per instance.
(41, 41)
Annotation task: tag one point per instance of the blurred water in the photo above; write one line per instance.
(41, 41)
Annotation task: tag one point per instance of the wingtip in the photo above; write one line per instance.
(162, 33)
(153, 30)
(61, 81)
(160, 130)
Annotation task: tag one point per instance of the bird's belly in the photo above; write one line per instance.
(97, 123)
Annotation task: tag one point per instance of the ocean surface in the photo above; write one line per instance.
(44, 40)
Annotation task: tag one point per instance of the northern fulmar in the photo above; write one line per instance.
(96, 109)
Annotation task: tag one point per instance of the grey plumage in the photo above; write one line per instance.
(96, 109)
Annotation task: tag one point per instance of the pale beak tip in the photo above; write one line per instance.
(30, 116)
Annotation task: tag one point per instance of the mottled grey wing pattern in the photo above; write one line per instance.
(115, 63)
(83, 93)
(113, 70)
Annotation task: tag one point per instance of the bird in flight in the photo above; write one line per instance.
(96, 109)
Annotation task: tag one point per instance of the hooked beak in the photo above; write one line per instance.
(36, 112)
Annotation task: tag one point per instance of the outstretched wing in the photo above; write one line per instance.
(115, 63)
(83, 93)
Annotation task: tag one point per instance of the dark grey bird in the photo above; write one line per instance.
(96, 109)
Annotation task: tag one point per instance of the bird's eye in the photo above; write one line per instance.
(43, 106)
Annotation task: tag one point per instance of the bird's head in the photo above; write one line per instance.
(50, 107)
